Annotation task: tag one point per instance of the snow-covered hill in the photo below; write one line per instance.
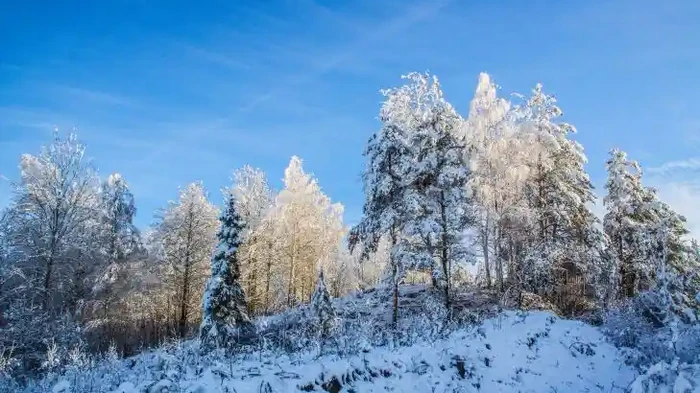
(512, 352)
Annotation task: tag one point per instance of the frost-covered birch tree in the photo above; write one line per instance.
(254, 199)
(55, 209)
(187, 233)
(495, 155)
(308, 228)
(119, 241)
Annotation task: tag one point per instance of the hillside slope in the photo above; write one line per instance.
(512, 352)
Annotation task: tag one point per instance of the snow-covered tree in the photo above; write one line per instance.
(224, 305)
(55, 211)
(675, 324)
(322, 307)
(341, 271)
(254, 199)
(633, 214)
(308, 228)
(415, 184)
(371, 269)
(565, 241)
(436, 186)
(384, 212)
(119, 243)
(496, 170)
(121, 237)
(624, 220)
(187, 233)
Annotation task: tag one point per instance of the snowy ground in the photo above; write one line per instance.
(513, 352)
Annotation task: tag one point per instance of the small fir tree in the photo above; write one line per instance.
(322, 307)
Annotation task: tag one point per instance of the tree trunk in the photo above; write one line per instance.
(252, 293)
(444, 255)
(183, 301)
(485, 247)
(395, 315)
(47, 282)
(49, 266)
(268, 276)
(395, 277)
(186, 278)
(290, 285)
(499, 263)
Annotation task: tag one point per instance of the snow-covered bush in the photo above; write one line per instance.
(661, 328)
(30, 332)
(8, 364)
(663, 377)
(629, 329)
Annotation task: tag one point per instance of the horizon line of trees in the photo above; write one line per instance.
(503, 186)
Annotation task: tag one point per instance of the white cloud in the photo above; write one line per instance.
(683, 197)
(678, 184)
(668, 168)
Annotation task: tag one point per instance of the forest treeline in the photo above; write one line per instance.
(503, 187)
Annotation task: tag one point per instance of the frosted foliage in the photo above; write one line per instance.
(633, 212)
(55, 210)
(187, 234)
(560, 189)
(121, 237)
(531, 192)
(322, 307)
(342, 271)
(308, 229)
(253, 195)
(495, 154)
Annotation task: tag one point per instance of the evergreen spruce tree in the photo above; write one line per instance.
(224, 304)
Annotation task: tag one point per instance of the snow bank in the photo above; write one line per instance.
(513, 352)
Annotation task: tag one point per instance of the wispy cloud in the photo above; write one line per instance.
(315, 63)
(211, 56)
(690, 164)
(678, 184)
(321, 63)
(682, 197)
(91, 96)
(29, 118)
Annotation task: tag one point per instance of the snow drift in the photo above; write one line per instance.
(512, 352)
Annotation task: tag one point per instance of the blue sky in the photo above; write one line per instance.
(171, 92)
